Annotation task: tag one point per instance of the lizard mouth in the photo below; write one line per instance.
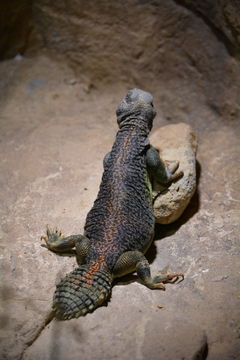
(79, 293)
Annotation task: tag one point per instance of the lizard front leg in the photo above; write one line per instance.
(105, 160)
(135, 261)
(56, 242)
(163, 172)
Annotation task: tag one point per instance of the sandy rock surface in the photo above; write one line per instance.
(56, 125)
(175, 142)
(53, 140)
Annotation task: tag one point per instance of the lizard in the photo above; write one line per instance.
(119, 228)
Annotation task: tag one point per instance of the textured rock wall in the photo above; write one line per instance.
(15, 26)
(16, 21)
(222, 16)
(135, 39)
(178, 48)
(171, 48)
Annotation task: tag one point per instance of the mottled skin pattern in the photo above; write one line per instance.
(121, 218)
(120, 226)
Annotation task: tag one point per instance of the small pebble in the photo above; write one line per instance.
(71, 82)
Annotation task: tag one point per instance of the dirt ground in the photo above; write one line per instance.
(64, 68)
(55, 131)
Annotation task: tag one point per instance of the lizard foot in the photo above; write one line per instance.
(161, 279)
(158, 281)
(52, 239)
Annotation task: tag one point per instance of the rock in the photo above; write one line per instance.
(15, 26)
(51, 151)
(72, 81)
(175, 142)
(53, 140)
(222, 17)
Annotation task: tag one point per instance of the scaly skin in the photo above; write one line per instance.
(119, 228)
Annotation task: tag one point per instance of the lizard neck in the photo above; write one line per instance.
(135, 123)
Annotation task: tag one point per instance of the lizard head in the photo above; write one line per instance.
(136, 109)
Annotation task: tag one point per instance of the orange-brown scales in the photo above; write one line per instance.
(120, 226)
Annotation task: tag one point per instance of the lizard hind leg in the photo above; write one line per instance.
(158, 281)
(56, 242)
(136, 261)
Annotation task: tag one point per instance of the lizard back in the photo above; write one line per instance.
(121, 218)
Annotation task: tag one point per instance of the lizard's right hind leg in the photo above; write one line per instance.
(135, 260)
(56, 242)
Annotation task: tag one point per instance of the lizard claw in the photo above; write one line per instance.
(172, 167)
(52, 238)
(172, 278)
(44, 238)
(168, 278)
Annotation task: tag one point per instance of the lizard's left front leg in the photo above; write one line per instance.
(56, 242)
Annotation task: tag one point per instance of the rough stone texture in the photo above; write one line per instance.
(175, 142)
(106, 44)
(173, 41)
(18, 24)
(53, 138)
(223, 16)
(55, 130)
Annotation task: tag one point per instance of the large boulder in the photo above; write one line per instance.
(175, 142)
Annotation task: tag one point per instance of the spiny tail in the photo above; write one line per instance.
(81, 291)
